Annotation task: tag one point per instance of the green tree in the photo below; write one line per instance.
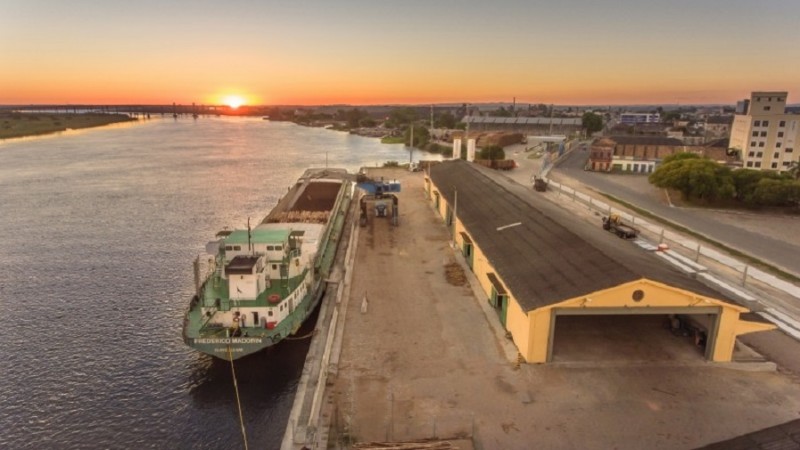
(421, 136)
(745, 182)
(695, 178)
(592, 122)
(777, 192)
(680, 156)
(353, 116)
(794, 170)
(494, 152)
(500, 112)
(401, 117)
(445, 120)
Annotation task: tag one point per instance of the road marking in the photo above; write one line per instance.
(738, 292)
(676, 263)
(509, 226)
(783, 326)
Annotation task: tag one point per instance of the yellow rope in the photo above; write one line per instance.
(238, 402)
(305, 336)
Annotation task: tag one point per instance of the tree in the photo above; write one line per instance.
(400, 117)
(353, 117)
(794, 170)
(745, 182)
(494, 152)
(592, 122)
(421, 136)
(680, 156)
(696, 178)
(777, 192)
(445, 120)
(500, 112)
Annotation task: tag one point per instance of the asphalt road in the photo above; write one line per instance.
(777, 252)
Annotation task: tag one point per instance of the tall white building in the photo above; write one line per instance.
(765, 135)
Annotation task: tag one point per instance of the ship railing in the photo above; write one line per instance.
(213, 312)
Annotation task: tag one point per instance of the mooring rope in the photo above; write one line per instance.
(305, 336)
(238, 401)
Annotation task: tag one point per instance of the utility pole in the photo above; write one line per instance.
(411, 149)
(431, 120)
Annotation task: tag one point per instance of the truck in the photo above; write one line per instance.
(614, 224)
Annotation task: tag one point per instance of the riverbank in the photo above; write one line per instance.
(16, 125)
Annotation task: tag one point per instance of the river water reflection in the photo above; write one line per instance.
(98, 229)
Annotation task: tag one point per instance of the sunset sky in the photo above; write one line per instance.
(411, 51)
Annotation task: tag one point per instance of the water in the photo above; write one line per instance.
(98, 229)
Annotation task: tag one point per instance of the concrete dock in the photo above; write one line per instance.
(407, 349)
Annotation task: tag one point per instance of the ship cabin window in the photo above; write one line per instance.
(237, 247)
(269, 313)
(255, 317)
(278, 248)
(228, 247)
(270, 248)
(274, 267)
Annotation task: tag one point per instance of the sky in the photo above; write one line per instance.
(360, 52)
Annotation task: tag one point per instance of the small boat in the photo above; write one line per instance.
(262, 283)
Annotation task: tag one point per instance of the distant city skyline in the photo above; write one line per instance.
(360, 52)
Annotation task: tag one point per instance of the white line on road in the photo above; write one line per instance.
(786, 328)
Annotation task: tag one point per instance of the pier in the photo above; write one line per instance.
(409, 350)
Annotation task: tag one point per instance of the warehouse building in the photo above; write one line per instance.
(537, 267)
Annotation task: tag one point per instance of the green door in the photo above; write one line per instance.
(500, 304)
(467, 250)
(502, 300)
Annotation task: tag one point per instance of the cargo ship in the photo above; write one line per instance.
(258, 285)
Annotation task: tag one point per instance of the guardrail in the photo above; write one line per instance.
(783, 310)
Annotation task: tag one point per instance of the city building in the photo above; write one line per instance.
(718, 127)
(642, 154)
(764, 133)
(632, 118)
(527, 125)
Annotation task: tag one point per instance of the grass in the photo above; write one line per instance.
(393, 140)
(15, 125)
(732, 251)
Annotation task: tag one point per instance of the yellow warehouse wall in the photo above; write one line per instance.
(655, 295)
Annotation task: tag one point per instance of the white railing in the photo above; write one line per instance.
(749, 283)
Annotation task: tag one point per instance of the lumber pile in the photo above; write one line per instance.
(425, 444)
(301, 217)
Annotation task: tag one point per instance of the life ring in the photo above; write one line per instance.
(274, 298)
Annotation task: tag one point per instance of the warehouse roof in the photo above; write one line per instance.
(549, 256)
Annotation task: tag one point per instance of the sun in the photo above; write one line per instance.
(234, 101)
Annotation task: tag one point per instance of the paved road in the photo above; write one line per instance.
(779, 253)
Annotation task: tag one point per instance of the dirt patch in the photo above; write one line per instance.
(454, 274)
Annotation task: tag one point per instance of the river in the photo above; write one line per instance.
(98, 230)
